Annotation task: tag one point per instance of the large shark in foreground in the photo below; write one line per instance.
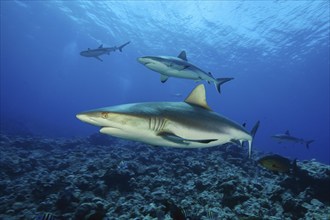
(179, 67)
(288, 138)
(101, 50)
(188, 124)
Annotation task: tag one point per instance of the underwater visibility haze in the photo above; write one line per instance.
(277, 52)
(60, 58)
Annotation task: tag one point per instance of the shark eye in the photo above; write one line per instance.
(104, 114)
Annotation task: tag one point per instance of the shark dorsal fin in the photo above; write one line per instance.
(101, 46)
(287, 132)
(198, 97)
(183, 55)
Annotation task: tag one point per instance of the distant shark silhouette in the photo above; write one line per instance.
(179, 67)
(288, 138)
(101, 51)
(188, 124)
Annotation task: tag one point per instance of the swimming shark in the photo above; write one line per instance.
(188, 124)
(101, 50)
(286, 137)
(179, 67)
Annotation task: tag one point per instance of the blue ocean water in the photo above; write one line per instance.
(277, 51)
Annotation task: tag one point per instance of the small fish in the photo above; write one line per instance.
(277, 163)
(45, 216)
(176, 95)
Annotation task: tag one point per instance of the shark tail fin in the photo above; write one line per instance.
(254, 129)
(221, 81)
(120, 48)
(308, 143)
(253, 133)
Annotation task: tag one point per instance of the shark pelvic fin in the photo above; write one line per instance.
(101, 46)
(183, 55)
(163, 78)
(198, 97)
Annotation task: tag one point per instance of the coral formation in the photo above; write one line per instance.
(94, 179)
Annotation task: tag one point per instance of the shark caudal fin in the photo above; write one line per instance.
(120, 48)
(221, 81)
(253, 133)
(309, 142)
(254, 129)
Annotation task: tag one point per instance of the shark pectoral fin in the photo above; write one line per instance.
(172, 137)
(99, 58)
(204, 141)
(163, 78)
(101, 46)
(185, 67)
(179, 140)
(183, 55)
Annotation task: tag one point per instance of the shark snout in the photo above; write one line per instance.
(83, 117)
(143, 60)
(96, 118)
(146, 60)
(88, 118)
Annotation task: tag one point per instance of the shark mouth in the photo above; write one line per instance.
(110, 127)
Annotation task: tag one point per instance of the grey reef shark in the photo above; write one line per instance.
(286, 137)
(96, 53)
(179, 67)
(188, 124)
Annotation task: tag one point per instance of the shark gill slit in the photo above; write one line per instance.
(149, 123)
(156, 123)
(161, 124)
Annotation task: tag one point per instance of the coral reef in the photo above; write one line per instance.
(97, 178)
